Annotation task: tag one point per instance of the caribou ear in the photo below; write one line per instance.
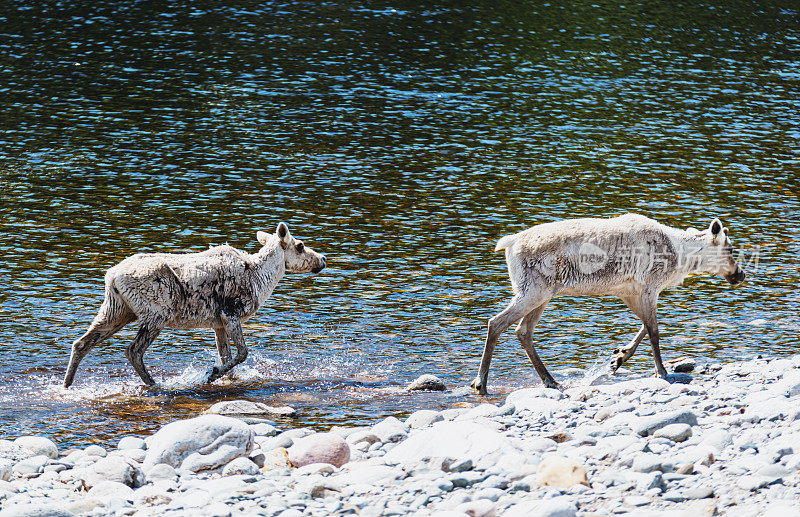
(283, 234)
(715, 227)
(725, 230)
(262, 238)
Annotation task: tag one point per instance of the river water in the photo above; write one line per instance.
(401, 141)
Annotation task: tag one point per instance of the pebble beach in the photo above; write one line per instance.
(727, 443)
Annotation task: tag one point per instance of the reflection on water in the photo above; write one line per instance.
(401, 141)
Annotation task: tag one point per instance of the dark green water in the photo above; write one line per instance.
(401, 141)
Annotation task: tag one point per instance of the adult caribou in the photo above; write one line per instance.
(630, 256)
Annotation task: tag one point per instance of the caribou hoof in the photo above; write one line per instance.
(554, 385)
(213, 374)
(478, 386)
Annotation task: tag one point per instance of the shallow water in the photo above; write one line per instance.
(402, 142)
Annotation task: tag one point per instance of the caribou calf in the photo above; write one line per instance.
(219, 288)
(630, 256)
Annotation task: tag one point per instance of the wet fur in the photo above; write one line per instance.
(219, 288)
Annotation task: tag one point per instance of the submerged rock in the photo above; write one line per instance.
(246, 408)
(426, 382)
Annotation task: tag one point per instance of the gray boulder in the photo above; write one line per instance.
(201, 443)
(648, 425)
(38, 445)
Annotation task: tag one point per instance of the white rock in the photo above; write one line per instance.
(150, 496)
(423, 418)
(95, 450)
(540, 444)
(204, 442)
(13, 452)
(390, 430)
(648, 425)
(264, 429)
(315, 468)
(618, 443)
(718, 439)
(358, 474)
(113, 468)
(240, 465)
(771, 409)
(789, 384)
(107, 490)
(675, 432)
(35, 510)
(137, 455)
(781, 509)
(556, 507)
(193, 498)
(30, 466)
(752, 482)
(131, 442)
(527, 393)
(217, 510)
(6, 469)
(634, 386)
(783, 445)
(451, 440)
(646, 462)
(701, 454)
(477, 508)
(161, 471)
(38, 445)
(366, 435)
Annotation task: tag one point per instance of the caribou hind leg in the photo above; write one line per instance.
(223, 347)
(147, 333)
(112, 316)
(233, 332)
(517, 309)
(525, 336)
(644, 306)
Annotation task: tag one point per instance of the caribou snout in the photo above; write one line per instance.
(736, 278)
(320, 268)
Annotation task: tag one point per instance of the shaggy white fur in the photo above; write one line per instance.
(630, 256)
(219, 288)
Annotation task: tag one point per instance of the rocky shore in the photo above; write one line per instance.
(728, 443)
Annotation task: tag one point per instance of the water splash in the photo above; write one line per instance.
(599, 371)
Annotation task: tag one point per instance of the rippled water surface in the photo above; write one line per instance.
(402, 141)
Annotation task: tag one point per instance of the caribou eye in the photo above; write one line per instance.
(300, 246)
